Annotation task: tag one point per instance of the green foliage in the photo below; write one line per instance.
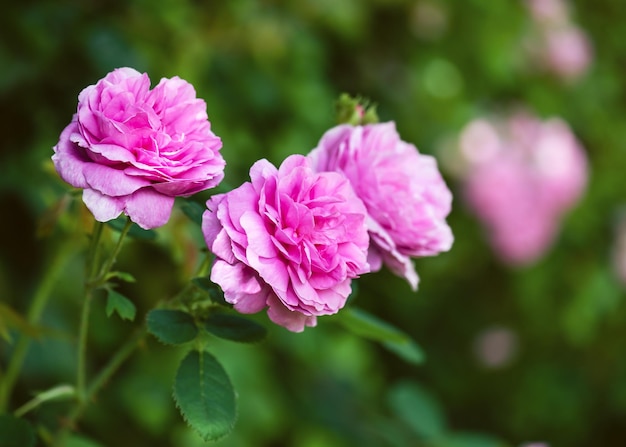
(193, 210)
(270, 73)
(15, 432)
(121, 305)
(80, 441)
(373, 328)
(215, 293)
(205, 396)
(135, 230)
(172, 327)
(418, 409)
(234, 328)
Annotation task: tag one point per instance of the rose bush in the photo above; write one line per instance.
(132, 149)
(290, 240)
(406, 198)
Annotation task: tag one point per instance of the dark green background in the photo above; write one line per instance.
(269, 72)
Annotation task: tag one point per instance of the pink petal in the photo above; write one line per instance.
(149, 209)
(69, 160)
(110, 181)
(294, 321)
(103, 208)
(241, 286)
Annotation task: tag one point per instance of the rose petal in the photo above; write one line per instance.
(149, 209)
(103, 208)
(294, 321)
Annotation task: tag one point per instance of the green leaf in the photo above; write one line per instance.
(215, 293)
(368, 326)
(123, 276)
(203, 283)
(193, 210)
(172, 327)
(9, 318)
(235, 328)
(205, 396)
(59, 392)
(79, 441)
(118, 303)
(135, 230)
(418, 409)
(15, 432)
(469, 440)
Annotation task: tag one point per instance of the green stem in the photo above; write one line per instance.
(106, 267)
(91, 284)
(110, 368)
(82, 345)
(38, 303)
(92, 255)
(99, 381)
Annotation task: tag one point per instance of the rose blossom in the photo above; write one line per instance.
(555, 42)
(291, 240)
(133, 149)
(406, 198)
(522, 175)
(568, 51)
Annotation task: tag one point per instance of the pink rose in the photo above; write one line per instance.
(521, 176)
(291, 240)
(133, 149)
(568, 52)
(406, 198)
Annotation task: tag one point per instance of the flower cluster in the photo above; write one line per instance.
(292, 238)
(406, 198)
(520, 177)
(557, 44)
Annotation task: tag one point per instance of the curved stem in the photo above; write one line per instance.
(91, 284)
(38, 303)
(106, 267)
(110, 368)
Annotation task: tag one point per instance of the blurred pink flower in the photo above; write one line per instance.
(521, 176)
(291, 240)
(406, 198)
(548, 11)
(495, 347)
(556, 44)
(568, 52)
(618, 253)
(133, 149)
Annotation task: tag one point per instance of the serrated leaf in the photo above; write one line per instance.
(172, 327)
(193, 210)
(135, 230)
(118, 303)
(205, 396)
(234, 328)
(368, 326)
(418, 409)
(16, 432)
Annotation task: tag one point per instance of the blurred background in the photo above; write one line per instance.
(516, 353)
